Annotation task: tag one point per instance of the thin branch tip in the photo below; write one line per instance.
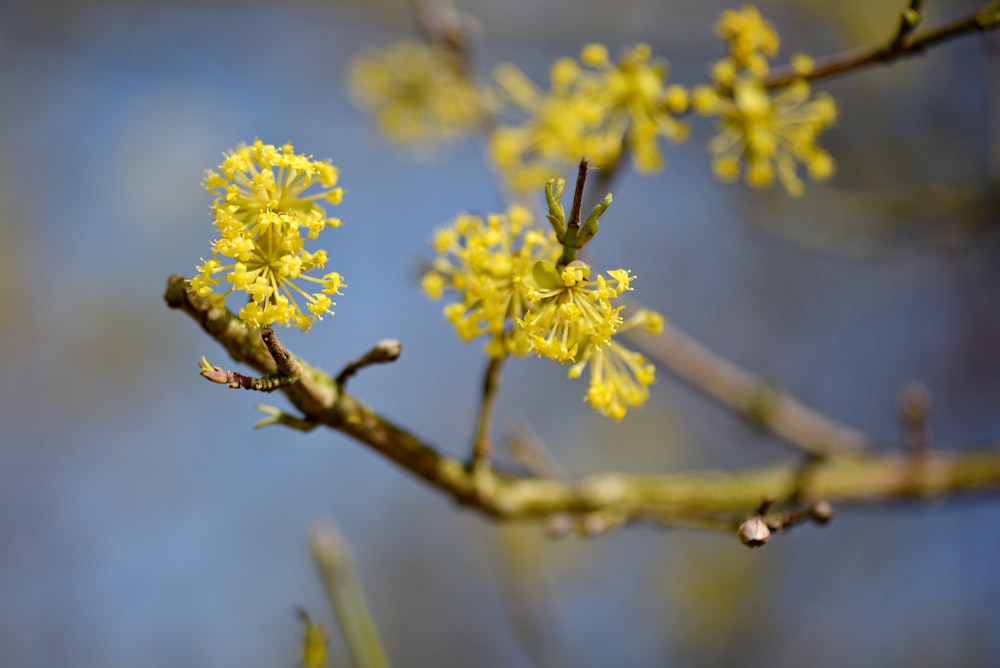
(383, 352)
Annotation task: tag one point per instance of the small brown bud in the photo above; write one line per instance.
(387, 350)
(754, 532)
(560, 525)
(821, 512)
(914, 402)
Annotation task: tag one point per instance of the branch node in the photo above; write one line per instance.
(238, 381)
(909, 18)
(284, 361)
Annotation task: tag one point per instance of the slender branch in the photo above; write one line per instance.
(571, 236)
(385, 351)
(672, 500)
(724, 381)
(902, 45)
(482, 444)
(581, 183)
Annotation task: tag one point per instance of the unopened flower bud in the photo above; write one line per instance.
(821, 512)
(754, 532)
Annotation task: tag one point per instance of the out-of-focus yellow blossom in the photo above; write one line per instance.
(594, 109)
(635, 105)
(619, 377)
(770, 134)
(417, 94)
(802, 64)
(486, 262)
(752, 40)
(557, 130)
(261, 210)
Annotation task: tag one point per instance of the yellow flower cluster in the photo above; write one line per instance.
(594, 109)
(771, 134)
(486, 261)
(553, 134)
(572, 320)
(261, 210)
(509, 289)
(619, 377)
(752, 40)
(570, 309)
(418, 94)
(635, 104)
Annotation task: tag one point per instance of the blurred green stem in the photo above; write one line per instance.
(335, 564)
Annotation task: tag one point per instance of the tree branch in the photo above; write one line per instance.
(903, 44)
(753, 398)
(685, 499)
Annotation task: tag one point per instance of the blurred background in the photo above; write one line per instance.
(143, 522)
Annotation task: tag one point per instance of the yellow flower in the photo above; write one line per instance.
(594, 109)
(635, 105)
(619, 377)
(556, 132)
(486, 262)
(752, 40)
(417, 94)
(770, 134)
(569, 310)
(573, 320)
(261, 210)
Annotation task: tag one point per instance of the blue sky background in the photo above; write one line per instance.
(142, 520)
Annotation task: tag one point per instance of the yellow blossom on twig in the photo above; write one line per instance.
(567, 308)
(763, 134)
(485, 261)
(752, 39)
(261, 212)
(573, 319)
(557, 130)
(771, 134)
(619, 377)
(417, 94)
(594, 108)
(636, 106)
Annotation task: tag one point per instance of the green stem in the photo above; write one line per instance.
(482, 444)
(335, 564)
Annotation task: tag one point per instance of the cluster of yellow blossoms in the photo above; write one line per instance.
(608, 109)
(509, 288)
(595, 108)
(485, 261)
(770, 134)
(518, 286)
(417, 94)
(261, 210)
